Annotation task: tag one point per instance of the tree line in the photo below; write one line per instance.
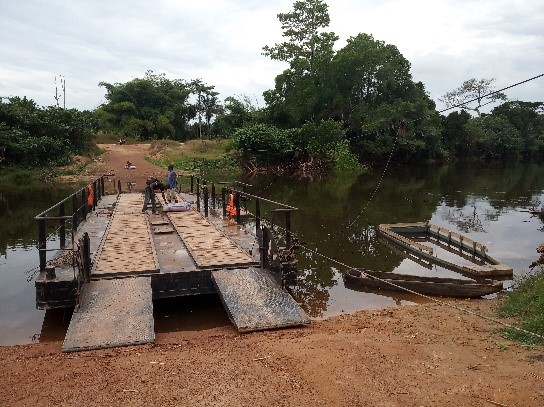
(32, 136)
(338, 107)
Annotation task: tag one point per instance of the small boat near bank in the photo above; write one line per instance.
(477, 263)
(436, 286)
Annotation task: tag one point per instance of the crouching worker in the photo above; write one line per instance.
(152, 185)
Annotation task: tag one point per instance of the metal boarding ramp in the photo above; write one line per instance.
(254, 301)
(119, 311)
(112, 313)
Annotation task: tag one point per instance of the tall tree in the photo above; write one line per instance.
(528, 119)
(147, 108)
(371, 91)
(455, 138)
(308, 50)
(207, 104)
(236, 113)
(473, 90)
(306, 43)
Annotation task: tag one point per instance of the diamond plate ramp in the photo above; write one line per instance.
(254, 301)
(112, 313)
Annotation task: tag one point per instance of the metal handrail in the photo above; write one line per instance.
(60, 208)
(202, 184)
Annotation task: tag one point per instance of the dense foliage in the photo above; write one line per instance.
(323, 141)
(528, 119)
(31, 136)
(236, 113)
(155, 107)
(365, 87)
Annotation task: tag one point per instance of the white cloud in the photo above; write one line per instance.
(220, 41)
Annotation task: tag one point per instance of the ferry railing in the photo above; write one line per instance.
(201, 188)
(72, 209)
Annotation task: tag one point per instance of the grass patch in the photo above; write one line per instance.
(526, 304)
(206, 158)
(15, 176)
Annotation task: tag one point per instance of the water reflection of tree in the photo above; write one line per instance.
(4, 206)
(365, 238)
(311, 290)
(470, 222)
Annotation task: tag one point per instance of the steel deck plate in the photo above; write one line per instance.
(207, 246)
(254, 301)
(127, 246)
(112, 313)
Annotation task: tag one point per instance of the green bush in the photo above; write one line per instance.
(526, 303)
(318, 139)
(34, 136)
(263, 141)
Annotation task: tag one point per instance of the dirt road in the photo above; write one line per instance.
(422, 355)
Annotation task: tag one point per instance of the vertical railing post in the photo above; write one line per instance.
(97, 190)
(257, 215)
(95, 200)
(205, 193)
(223, 197)
(264, 249)
(198, 194)
(213, 196)
(288, 229)
(192, 182)
(87, 257)
(62, 225)
(244, 198)
(237, 204)
(42, 244)
(118, 187)
(84, 203)
(102, 186)
(75, 220)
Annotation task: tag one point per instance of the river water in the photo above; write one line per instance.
(335, 224)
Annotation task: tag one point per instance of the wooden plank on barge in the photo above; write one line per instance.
(112, 313)
(127, 247)
(254, 301)
(206, 244)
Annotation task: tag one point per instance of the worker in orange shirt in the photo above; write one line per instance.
(231, 210)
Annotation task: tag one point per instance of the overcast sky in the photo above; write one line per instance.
(220, 42)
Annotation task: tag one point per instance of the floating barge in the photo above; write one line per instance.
(121, 259)
(480, 265)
